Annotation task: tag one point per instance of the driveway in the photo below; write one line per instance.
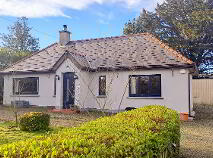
(197, 139)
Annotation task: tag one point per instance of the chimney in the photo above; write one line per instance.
(64, 35)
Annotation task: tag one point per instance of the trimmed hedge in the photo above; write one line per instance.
(34, 121)
(149, 132)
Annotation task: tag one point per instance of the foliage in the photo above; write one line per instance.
(20, 38)
(148, 132)
(34, 121)
(185, 25)
(18, 44)
(8, 57)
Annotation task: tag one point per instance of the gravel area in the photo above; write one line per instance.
(203, 112)
(197, 139)
(197, 135)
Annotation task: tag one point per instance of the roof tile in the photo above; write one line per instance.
(140, 50)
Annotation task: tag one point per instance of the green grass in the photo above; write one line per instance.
(9, 133)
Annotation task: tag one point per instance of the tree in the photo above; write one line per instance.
(7, 57)
(20, 38)
(17, 44)
(185, 25)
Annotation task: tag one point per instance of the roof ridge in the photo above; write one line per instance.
(104, 38)
(170, 49)
(27, 57)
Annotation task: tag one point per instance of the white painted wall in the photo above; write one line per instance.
(174, 87)
(66, 66)
(46, 90)
(46, 87)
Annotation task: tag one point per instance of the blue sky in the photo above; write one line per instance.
(85, 18)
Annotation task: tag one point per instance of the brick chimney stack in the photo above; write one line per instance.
(64, 35)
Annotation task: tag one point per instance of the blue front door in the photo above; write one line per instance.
(68, 90)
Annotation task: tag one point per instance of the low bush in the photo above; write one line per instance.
(34, 121)
(149, 132)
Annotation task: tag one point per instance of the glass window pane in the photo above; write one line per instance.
(55, 85)
(102, 85)
(155, 85)
(16, 86)
(133, 85)
(143, 85)
(25, 85)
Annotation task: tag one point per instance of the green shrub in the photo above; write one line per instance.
(34, 121)
(149, 132)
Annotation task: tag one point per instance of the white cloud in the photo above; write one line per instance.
(101, 21)
(109, 15)
(42, 8)
(104, 17)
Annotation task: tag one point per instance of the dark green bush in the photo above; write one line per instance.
(34, 121)
(149, 132)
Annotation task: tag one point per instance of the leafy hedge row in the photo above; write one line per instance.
(34, 121)
(149, 132)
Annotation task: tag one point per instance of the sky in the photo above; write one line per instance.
(85, 18)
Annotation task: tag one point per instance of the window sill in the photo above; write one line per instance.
(145, 98)
(25, 95)
(101, 96)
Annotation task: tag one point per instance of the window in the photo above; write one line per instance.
(27, 85)
(55, 86)
(102, 85)
(145, 85)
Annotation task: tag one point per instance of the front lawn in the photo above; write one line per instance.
(57, 119)
(9, 133)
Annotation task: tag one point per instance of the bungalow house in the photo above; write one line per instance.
(105, 73)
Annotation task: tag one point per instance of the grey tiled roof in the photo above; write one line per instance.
(122, 52)
(41, 61)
